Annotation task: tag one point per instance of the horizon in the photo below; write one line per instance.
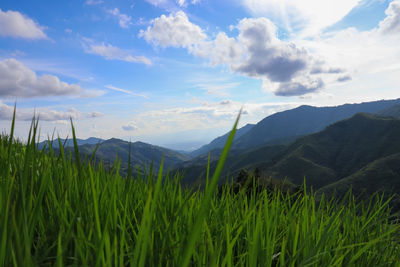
(161, 71)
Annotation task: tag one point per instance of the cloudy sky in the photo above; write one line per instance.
(176, 72)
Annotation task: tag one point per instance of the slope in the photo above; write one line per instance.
(302, 121)
(142, 154)
(219, 142)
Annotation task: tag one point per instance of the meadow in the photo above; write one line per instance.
(64, 210)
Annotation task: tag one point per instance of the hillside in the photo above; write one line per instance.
(142, 154)
(304, 120)
(339, 151)
(381, 175)
(219, 142)
(393, 111)
(70, 142)
(323, 158)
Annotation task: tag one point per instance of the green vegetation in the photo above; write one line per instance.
(362, 152)
(56, 211)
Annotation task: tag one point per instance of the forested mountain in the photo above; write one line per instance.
(304, 120)
(363, 149)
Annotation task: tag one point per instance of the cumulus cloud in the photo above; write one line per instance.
(299, 87)
(266, 54)
(17, 25)
(256, 52)
(110, 52)
(175, 30)
(124, 20)
(391, 24)
(17, 80)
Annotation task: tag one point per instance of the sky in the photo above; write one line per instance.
(176, 72)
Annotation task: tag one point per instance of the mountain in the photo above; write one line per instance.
(302, 121)
(219, 142)
(349, 150)
(195, 169)
(381, 175)
(142, 154)
(70, 142)
(393, 111)
(339, 151)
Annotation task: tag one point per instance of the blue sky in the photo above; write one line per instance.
(176, 72)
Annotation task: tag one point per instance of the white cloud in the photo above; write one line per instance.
(215, 88)
(14, 24)
(204, 115)
(110, 52)
(172, 5)
(175, 30)
(256, 52)
(308, 16)
(362, 52)
(124, 20)
(44, 114)
(391, 24)
(93, 2)
(124, 91)
(157, 2)
(181, 2)
(17, 80)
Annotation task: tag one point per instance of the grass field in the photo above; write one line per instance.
(56, 211)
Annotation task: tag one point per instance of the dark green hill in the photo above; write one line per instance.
(219, 142)
(304, 120)
(195, 169)
(339, 151)
(382, 175)
(324, 158)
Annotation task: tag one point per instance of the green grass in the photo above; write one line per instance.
(56, 211)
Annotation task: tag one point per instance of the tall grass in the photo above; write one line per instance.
(56, 211)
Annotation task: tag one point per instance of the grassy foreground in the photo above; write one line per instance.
(55, 211)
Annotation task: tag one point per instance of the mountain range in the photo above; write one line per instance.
(333, 148)
(286, 126)
(70, 142)
(362, 151)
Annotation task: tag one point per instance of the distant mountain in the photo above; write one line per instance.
(70, 142)
(302, 121)
(142, 154)
(219, 142)
(393, 111)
